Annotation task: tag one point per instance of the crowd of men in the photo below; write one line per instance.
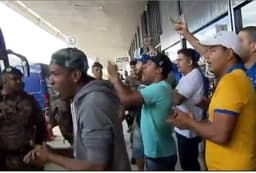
(159, 108)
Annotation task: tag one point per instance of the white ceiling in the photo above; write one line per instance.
(103, 28)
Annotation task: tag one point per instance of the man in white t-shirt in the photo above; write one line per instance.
(188, 94)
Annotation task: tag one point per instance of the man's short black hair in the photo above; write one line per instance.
(133, 62)
(9, 70)
(97, 64)
(190, 53)
(163, 61)
(251, 30)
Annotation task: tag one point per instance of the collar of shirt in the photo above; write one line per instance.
(251, 72)
(252, 68)
(237, 66)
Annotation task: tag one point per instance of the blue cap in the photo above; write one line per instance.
(143, 58)
(163, 61)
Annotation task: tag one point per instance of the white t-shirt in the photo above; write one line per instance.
(74, 120)
(192, 87)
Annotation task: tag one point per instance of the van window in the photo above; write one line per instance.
(1, 65)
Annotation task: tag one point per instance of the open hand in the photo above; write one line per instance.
(147, 41)
(180, 25)
(112, 70)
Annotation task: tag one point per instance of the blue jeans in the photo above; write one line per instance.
(137, 145)
(161, 163)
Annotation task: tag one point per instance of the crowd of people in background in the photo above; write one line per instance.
(169, 112)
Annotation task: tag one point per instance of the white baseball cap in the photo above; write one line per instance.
(226, 39)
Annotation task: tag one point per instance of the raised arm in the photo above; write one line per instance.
(125, 94)
(182, 28)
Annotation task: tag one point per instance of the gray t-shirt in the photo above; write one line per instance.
(98, 134)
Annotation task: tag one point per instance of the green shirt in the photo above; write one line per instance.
(156, 132)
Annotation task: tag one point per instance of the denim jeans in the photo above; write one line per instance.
(188, 152)
(161, 163)
(137, 145)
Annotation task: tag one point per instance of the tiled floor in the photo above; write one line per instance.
(58, 142)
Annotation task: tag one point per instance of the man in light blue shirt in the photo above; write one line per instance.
(156, 101)
(156, 133)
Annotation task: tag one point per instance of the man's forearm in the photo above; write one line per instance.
(195, 43)
(204, 103)
(121, 90)
(67, 152)
(178, 98)
(206, 130)
(72, 164)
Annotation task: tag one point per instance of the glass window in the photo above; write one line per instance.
(14, 60)
(249, 14)
(1, 65)
(237, 2)
(220, 25)
(172, 51)
(189, 45)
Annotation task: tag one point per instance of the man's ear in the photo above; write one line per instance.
(253, 46)
(230, 54)
(76, 75)
(190, 62)
(160, 70)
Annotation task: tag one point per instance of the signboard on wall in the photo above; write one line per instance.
(122, 63)
(122, 59)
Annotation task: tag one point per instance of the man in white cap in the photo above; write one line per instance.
(247, 36)
(230, 131)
